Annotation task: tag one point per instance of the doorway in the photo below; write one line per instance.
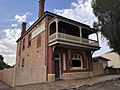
(57, 60)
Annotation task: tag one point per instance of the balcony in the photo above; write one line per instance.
(61, 38)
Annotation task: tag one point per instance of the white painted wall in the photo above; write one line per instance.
(115, 59)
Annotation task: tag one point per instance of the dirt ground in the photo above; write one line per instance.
(112, 85)
(63, 84)
(66, 84)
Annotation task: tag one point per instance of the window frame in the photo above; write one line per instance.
(23, 46)
(80, 58)
(19, 48)
(38, 40)
(29, 40)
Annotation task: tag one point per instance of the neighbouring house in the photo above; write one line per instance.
(99, 65)
(54, 48)
(99, 59)
(114, 59)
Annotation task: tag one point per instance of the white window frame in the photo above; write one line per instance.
(77, 58)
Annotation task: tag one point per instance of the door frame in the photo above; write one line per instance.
(59, 59)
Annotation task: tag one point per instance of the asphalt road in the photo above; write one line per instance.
(113, 85)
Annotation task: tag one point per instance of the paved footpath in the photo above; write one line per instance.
(64, 84)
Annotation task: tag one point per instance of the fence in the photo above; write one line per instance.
(22, 76)
(7, 76)
(98, 69)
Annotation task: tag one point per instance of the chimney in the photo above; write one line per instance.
(23, 28)
(41, 8)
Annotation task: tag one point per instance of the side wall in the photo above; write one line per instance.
(34, 68)
(29, 76)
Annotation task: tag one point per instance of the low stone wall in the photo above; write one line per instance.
(24, 76)
(76, 75)
(8, 76)
(98, 69)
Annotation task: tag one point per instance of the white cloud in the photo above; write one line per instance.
(20, 18)
(80, 11)
(14, 25)
(28, 13)
(8, 44)
(9, 59)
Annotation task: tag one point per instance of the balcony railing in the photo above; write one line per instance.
(71, 39)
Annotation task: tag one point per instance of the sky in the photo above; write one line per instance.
(14, 12)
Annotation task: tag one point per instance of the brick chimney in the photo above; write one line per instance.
(41, 8)
(23, 28)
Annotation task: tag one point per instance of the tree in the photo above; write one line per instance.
(3, 64)
(108, 14)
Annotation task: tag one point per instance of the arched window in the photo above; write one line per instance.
(76, 61)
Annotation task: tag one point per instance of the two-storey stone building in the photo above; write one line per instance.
(54, 48)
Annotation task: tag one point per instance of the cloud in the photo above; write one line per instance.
(14, 25)
(28, 13)
(10, 35)
(20, 18)
(8, 44)
(80, 11)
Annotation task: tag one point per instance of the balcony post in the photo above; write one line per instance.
(80, 31)
(57, 25)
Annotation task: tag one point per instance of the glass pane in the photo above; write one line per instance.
(57, 55)
(79, 56)
(76, 63)
(75, 55)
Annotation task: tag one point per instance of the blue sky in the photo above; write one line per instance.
(14, 12)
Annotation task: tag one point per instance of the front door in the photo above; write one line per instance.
(57, 66)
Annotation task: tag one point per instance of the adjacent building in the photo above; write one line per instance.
(102, 60)
(114, 59)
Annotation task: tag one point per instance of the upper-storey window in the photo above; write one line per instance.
(23, 48)
(38, 40)
(19, 49)
(29, 40)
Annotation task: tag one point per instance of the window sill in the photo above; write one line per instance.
(77, 68)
